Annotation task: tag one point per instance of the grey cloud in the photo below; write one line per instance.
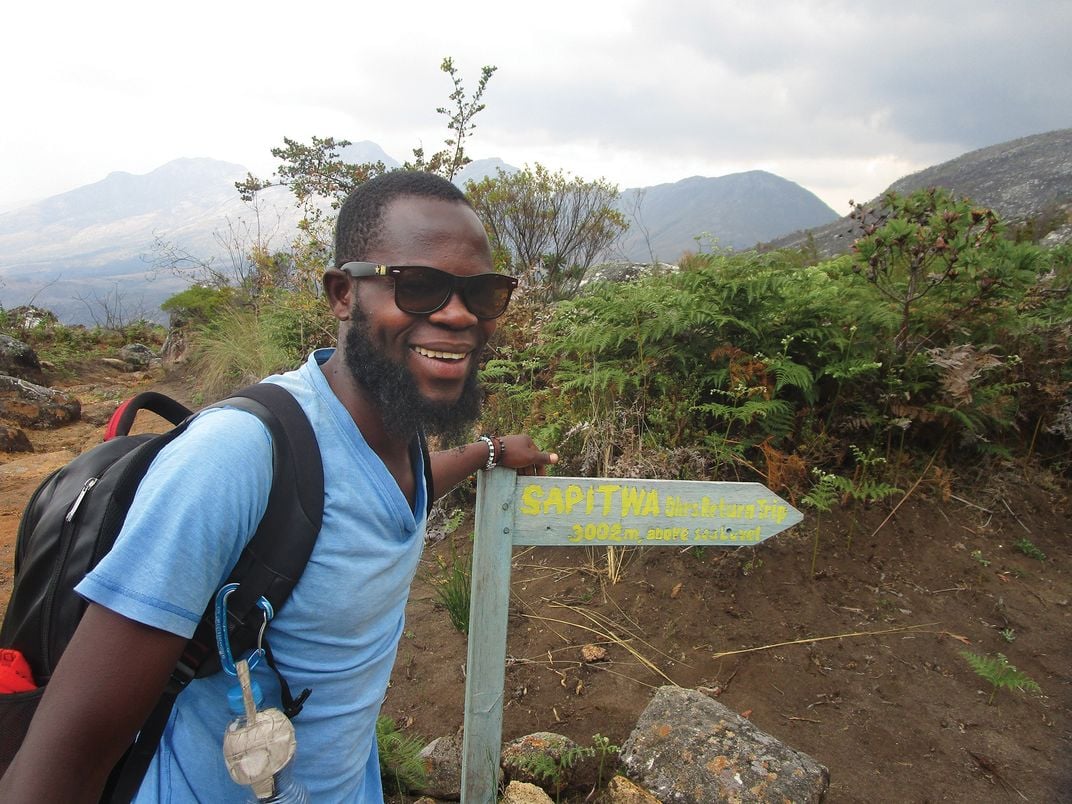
(816, 80)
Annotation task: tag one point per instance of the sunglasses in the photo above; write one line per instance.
(420, 290)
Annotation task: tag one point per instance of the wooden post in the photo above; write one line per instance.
(485, 669)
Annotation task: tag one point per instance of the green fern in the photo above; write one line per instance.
(401, 768)
(997, 670)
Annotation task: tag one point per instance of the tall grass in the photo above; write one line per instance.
(237, 348)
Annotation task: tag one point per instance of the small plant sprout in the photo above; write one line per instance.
(997, 670)
(1027, 547)
(979, 558)
(1008, 634)
(832, 488)
(822, 497)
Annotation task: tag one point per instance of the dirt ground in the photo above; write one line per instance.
(859, 666)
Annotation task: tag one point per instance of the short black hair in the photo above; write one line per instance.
(361, 215)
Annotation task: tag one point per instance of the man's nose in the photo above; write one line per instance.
(454, 313)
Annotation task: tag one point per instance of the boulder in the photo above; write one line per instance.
(543, 758)
(12, 439)
(442, 760)
(687, 747)
(175, 346)
(99, 413)
(524, 793)
(138, 356)
(18, 359)
(622, 790)
(32, 405)
(27, 317)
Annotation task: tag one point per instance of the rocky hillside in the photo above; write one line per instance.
(1021, 180)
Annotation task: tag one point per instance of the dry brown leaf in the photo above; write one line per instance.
(675, 591)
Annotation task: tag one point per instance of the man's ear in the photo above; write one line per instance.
(339, 289)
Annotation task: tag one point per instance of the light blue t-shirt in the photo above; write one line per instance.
(194, 512)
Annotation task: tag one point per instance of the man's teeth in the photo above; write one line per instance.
(442, 355)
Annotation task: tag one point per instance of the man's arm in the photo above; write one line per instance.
(450, 467)
(107, 682)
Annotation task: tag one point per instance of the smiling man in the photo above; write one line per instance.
(416, 299)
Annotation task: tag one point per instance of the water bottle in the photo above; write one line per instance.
(259, 747)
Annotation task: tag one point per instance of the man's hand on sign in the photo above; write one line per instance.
(521, 453)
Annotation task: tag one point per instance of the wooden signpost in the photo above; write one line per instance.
(580, 512)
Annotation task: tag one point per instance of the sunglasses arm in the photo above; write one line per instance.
(360, 269)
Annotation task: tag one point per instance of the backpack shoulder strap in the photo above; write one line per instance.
(276, 555)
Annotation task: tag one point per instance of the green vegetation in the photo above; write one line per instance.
(63, 348)
(831, 488)
(758, 366)
(551, 767)
(401, 768)
(997, 670)
(546, 228)
(454, 588)
(239, 347)
(1027, 547)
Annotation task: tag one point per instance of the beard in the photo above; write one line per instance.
(394, 391)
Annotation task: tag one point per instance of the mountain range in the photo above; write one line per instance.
(91, 251)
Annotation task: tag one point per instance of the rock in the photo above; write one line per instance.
(1059, 236)
(623, 272)
(622, 790)
(538, 758)
(524, 793)
(99, 413)
(27, 317)
(36, 406)
(442, 760)
(116, 363)
(175, 345)
(18, 359)
(688, 748)
(138, 356)
(12, 439)
(593, 653)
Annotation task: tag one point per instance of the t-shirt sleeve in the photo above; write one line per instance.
(195, 510)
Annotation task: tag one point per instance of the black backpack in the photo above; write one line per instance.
(74, 516)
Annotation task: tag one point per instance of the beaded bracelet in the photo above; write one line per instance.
(491, 464)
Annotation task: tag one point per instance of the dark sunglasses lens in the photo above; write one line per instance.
(487, 296)
(421, 290)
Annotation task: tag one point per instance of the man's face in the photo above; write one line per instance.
(421, 369)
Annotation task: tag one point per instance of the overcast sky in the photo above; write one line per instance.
(841, 97)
